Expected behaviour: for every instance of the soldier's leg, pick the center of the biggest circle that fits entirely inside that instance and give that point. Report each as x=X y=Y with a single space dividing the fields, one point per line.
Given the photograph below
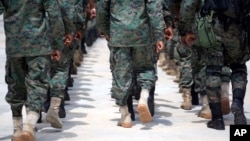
x=171 y=67
x=213 y=88
x=122 y=76
x=226 y=76
x=146 y=75
x=59 y=75
x=37 y=83
x=239 y=82
x=186 y=79
x=199 y=74
x=17 y=93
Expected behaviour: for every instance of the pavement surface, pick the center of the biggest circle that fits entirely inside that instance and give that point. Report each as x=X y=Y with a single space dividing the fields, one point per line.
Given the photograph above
x=92 y=114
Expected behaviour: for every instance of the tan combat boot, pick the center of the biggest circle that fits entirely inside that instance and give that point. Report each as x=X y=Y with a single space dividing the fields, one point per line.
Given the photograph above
x=162 y=60
x=76 y=57
x=52 y=116
x=187 y=99
x=28 y=133
x=178 y=74
x=17 y=125
x=144 y=113
x=205 y=111
x=225 y=98
x=171 y=69
x=80 y=54
x=125 y=120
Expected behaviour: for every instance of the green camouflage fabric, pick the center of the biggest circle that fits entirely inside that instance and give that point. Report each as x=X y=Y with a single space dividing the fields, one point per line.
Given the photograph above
x=27 y=30
x=125 y=62
x=227 y=52
x=186 y=77
x=60 y=70
x=68 y=10
x=79 y=15
x=132 y=48
x=28 y=83
x=120 y=19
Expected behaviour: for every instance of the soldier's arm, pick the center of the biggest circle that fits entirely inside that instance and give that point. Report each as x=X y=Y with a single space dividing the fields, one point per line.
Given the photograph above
x=187 y=15
x=79 y=15
x=55 y=23
x=67 y=9
x=103 y=16
x=154 y=10
x=166 y=13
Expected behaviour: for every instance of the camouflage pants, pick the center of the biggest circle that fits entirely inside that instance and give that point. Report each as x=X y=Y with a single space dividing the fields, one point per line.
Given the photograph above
x=200 y=78
x=28 y=82
x=59 y=74
x=127 y=61
x=186 y=77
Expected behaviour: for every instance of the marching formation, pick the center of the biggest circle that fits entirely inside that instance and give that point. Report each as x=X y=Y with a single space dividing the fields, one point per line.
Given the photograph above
x=203 y=43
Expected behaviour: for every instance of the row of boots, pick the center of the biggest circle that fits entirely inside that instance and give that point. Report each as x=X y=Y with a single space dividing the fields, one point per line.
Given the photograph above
x=213 y=111
x=26 y=131
x=205 y=111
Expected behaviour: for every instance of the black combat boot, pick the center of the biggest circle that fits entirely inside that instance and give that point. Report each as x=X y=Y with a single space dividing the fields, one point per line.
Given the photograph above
x=151 y=104
x=66 y=94
x=62 y=112
x=217 y=121
x=195 y=96
x=237 y=107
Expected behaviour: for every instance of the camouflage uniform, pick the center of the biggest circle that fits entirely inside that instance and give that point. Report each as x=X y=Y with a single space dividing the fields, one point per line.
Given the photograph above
x=228 y=52
x=128 y=53
x=171 y=15
x=28 y=48
x=60 y=70
x=27 y=57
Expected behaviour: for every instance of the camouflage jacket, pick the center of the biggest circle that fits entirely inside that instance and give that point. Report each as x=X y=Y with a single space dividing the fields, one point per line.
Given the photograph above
x=68 y=10
x=171 y=11
x=28 y=29
x=188 y=11
x=131 y=23
x=79 y=18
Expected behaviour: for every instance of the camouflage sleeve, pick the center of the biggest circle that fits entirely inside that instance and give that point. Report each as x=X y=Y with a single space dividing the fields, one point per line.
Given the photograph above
x=1 y=7
x=187 y=15
x=79 y=15
x=55 y=23
x=67 y=9
x=103 y=16
x=154 y=10
x=166 y=13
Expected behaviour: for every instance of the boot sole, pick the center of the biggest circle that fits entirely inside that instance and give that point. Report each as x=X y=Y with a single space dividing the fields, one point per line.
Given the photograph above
x=206 y=116
x=25 y=136
x=225 y=106
x=144 y=113
x=125 y=125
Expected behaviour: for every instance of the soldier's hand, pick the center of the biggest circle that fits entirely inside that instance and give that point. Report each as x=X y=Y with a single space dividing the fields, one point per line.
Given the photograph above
x=56 y=55
x=68 y=39
x=159 y=46
x=188 y=39
x=168 y=33
x=107 y=37
x=78 y=35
